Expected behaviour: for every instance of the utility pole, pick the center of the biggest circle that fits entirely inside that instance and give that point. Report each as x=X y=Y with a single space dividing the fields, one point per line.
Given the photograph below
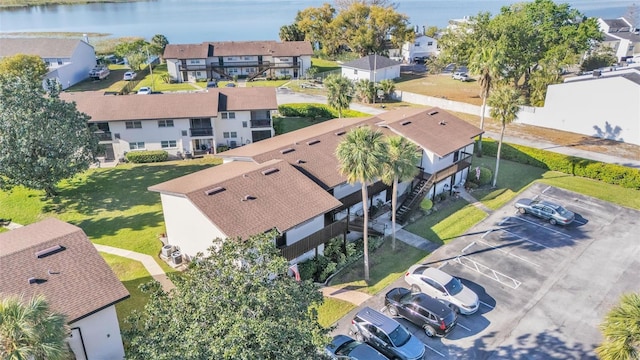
x=150 y=68
x=375 y=66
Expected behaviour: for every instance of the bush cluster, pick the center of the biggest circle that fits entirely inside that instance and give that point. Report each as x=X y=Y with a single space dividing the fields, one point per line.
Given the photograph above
x=305 y=110
x=485 y=177
x=140 y=157
x=608 y=173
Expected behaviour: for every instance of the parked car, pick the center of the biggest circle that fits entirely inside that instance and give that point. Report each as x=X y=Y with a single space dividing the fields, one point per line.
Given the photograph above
x=442 y=286
x=549 y=211
x=344 y=347
x=433 y=316
x=99 y=73
x=462 y=76
x=212 y=84
x=386 y=335
x=145 y=90
x=129 y=75
x=230 y=84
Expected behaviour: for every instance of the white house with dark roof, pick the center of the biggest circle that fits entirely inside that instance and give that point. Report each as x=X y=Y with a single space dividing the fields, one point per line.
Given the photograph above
x=422 y=47
x=371 y=67
x=180 y=123
x=226 y=59
x=68 y=60
x=57 y=260
x=212 y=202
x=622 y=36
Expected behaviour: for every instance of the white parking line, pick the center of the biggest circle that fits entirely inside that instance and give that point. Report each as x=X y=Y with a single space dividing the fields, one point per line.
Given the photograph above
x=434 y=350
x=487 y=271
x=510 y=254
x=544 y=227
x=487 y=305
x=464 y=327
x=468 y=246
x=531 y=241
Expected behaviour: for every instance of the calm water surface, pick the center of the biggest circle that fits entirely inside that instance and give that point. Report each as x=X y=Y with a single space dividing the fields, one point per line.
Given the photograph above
x=194 y=21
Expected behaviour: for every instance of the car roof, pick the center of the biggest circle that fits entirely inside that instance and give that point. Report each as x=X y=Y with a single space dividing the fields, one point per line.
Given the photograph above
x=381 y=321
x=437 y=275
x=550 y=204
x=433 y=305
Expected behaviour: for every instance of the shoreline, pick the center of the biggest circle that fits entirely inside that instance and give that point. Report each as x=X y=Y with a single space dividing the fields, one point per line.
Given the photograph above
x=9 y=4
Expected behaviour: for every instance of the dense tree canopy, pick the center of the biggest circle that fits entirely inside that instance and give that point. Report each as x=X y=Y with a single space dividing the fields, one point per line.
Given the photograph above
x=134 y=51
x=42 y=138
x=527 y=36
x=158 y=43
x=30 y=66
x=339 y=92
x=235 y=303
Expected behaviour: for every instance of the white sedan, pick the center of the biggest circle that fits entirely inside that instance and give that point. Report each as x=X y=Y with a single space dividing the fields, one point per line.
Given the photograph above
x=440 y=285
x=145 y=90
x=129 y=75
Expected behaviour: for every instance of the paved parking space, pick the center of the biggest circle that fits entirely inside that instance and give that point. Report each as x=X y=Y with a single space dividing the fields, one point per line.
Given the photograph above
x=543 y=289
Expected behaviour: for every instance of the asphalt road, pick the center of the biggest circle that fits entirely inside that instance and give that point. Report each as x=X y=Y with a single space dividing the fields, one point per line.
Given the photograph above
x=544 y=289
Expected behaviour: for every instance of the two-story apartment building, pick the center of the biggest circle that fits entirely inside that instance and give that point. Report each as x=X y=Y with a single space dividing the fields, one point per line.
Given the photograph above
x=250 y=59
x=68 y=60
x=422 y=47
x=621 y=35
x=56 y=260
x=260 y=185
x=183 y=124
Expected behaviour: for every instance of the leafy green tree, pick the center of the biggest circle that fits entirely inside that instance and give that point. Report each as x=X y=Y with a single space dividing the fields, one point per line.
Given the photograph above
x=339 y=92
x=621 y=330
x=134 y=51
x=602 y=57
x=486 y=64
x=314 y=22
x=42 y=138
x=30 y=330
x=158 y=43
x=505 y=103
x=361 y=155
x=388 y=86
x=291 y=33
x=236 y=302
x=401 y=164
x=31 y=67
x=548 y=74
x=365 y=90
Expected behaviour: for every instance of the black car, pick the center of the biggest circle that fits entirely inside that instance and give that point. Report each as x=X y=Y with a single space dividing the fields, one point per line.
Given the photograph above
x=436 y=318
x=344 y=347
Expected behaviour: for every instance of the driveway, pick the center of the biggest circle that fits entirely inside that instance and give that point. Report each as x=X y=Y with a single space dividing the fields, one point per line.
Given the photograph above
x=544 y=289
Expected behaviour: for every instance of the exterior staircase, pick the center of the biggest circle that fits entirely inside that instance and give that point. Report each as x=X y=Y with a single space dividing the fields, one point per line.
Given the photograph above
x=413 y=199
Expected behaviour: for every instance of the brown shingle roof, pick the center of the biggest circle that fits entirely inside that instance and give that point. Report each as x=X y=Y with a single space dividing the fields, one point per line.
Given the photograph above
x=237 y=48
x=186 y=51
x=43 y=47
x=75 y=281
x=169 y=106
x=245 y=198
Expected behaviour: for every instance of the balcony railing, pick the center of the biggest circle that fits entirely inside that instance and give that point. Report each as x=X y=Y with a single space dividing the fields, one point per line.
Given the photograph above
x=104 y=135
x=260 y=123
x=314 y=240
x=201 y=131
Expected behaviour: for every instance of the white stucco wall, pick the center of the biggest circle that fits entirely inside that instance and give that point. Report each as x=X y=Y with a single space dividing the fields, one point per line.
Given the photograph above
x=100 y=335
x=305 y=229
x=420 y=47
x=152 y=135
x=345 y=189
x=187 y=227
x=390 y=73
x=233 y=125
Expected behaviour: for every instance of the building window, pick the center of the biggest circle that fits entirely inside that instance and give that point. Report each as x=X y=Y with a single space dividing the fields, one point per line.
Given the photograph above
x=228 y=115
x=225 y=134
x=456 y=156
x=229 y=58
x=234 y=134
x=417 y=44
x=430 y=43
x=60 y=61
x=133 y=124
x=168 y=144
x=247 y=57
x=136 y=145
x=285 y=71
x=183 y=132
x=116 y=135
x=355 y=71
x=165 y=123
x=244 y=124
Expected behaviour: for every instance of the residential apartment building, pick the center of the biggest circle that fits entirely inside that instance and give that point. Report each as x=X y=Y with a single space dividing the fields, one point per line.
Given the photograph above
x=183 y=124
x=422 y=47
x=622 y=36
x=57 y=260
x=245 y=59
x=68 y=60
x=291 y=183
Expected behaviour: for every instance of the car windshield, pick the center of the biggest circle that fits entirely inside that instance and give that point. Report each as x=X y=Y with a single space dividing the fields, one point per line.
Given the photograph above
x=562 y=211
x=454 y=286
x=347 y=347
x=399 y=336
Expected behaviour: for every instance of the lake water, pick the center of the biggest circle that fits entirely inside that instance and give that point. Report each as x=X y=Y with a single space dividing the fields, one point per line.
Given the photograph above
x=195 y=21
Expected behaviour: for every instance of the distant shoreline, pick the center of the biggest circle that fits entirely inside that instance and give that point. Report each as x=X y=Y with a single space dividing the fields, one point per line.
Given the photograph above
x=29 y=3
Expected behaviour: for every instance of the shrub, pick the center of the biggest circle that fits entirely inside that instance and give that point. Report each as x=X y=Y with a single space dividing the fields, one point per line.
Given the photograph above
x=140 y=157
x=485 y=176
x=315 y=111
x=426 y=204
x=307 y=269
x=222 y=148
x=608 y=173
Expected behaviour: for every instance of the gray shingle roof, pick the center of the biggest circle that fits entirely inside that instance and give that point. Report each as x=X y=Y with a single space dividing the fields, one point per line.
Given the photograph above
x=370 y=62
x=43 y=47
x=237 y=48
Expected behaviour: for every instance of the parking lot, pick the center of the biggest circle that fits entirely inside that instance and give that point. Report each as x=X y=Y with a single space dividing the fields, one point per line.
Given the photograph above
x=543 y=289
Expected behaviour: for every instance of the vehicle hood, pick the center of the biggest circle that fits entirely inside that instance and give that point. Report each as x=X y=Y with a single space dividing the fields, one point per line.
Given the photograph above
x=467 y=297
x=413 y=349
x=525 y=202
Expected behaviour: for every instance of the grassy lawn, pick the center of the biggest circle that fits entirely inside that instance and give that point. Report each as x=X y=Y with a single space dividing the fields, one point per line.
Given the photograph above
x=385 y=267
x=267 y=83
x=442 y=86
x=333 y=310
x=294 y=123
x=324 y=65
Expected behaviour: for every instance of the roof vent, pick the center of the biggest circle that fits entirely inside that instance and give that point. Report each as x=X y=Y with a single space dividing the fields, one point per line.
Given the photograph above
x=215 y=190
x=49 y=251
x=405 y=123
x=270 y=171
x=35 y=280
x=442 y=122
x=313 y=142
x=341 y=132
x=248 y=197
x=245 y=175
x=287 y=150
x=432 y=113
x=300 y=161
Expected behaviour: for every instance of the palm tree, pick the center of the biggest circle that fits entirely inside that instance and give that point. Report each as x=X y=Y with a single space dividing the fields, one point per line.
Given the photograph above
x=365 y=90
x=388 y=86
x=505 y=104
x=339 y=92
x=31 y=331
x=401 y=165
x=485 y=64
x=621 y=330
x=361 y=154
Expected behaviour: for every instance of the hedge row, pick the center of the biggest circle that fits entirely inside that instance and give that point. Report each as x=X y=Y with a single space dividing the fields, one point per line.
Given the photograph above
x=139 y=157
x=608 y=173
x=316 y=111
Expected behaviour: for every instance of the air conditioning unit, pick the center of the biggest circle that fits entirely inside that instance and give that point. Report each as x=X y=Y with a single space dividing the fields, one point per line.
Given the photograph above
x=176 y=258
x=167 y=250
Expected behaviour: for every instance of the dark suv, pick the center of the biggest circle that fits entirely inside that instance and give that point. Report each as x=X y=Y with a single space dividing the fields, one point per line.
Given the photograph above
x=434 y=317
x=386 y=335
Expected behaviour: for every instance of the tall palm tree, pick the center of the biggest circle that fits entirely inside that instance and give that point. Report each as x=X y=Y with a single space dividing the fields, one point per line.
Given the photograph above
x=361 y=155
x=365 y=90
x=485 y=63
x=339 y=92
x=30 y=330
x=505 y=104
x=401 y=165
x=621 y=330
